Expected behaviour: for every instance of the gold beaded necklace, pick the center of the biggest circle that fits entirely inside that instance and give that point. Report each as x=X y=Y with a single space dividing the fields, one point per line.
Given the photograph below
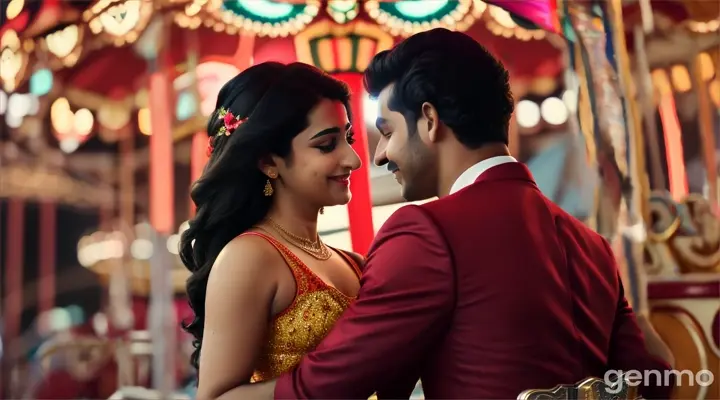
x=315 y=248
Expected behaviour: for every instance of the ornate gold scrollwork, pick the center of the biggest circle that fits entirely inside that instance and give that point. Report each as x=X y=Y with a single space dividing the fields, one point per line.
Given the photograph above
x=588 y=389
x=699 y=251
x=685 y=234
x=119 y=21
x=81 y=356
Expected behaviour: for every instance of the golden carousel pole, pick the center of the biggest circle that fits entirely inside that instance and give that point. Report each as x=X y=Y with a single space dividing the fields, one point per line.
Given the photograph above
x=127 y=177
x=639 y=215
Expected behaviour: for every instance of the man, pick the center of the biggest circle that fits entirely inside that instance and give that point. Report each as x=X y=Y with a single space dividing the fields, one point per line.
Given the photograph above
x=488 y=291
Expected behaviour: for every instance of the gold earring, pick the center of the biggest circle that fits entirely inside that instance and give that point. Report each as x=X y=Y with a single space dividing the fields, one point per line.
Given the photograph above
x=322 y=210
x=268 y=190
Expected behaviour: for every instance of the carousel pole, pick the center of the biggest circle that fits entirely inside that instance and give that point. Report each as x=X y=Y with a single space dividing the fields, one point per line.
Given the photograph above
x=48 y=243
x=639 y=214
x=161 y=145
x=127 y=178
x=637 y=143
x=162 y=319
x=106 y=214
x=198 y=160
x=707 y=131
x=645 y=95
x=360 y=207
x=13 y=289
x=120 y=287
x=672 y=134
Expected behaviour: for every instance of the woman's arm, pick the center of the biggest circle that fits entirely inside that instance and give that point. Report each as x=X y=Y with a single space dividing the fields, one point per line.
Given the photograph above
x=238 y=305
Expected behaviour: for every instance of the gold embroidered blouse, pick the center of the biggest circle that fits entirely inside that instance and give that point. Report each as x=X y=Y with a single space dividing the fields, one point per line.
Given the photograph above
x=299 y=328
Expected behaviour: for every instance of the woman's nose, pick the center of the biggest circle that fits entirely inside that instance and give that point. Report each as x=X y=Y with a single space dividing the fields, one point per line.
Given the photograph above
x=353 y=160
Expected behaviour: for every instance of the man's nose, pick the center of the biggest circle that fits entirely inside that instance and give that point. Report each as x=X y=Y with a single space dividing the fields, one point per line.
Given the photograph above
x=380 y=158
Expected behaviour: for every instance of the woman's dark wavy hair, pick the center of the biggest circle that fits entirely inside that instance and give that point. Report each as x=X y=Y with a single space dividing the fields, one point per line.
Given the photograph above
x=276 y=99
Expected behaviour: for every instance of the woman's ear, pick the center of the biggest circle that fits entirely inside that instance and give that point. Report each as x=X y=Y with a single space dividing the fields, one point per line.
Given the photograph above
x=268 y=166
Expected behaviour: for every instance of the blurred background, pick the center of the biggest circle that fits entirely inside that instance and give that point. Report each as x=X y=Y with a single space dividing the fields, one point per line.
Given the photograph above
x=103 y=106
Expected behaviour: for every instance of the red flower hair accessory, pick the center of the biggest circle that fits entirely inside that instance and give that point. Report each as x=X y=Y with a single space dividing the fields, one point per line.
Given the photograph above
x=210 y=146
x=230 y=124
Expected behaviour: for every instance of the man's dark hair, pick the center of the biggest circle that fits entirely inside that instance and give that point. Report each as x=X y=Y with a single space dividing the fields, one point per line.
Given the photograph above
x=453 y=72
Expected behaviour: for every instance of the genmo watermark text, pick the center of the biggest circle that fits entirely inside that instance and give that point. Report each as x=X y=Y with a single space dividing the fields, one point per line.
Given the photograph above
x=657 y=378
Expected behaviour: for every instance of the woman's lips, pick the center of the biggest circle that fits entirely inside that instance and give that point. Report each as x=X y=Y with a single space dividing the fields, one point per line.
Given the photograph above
x=342 y=179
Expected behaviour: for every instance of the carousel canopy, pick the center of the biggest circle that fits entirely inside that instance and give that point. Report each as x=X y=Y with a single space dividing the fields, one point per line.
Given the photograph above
x=91 y=60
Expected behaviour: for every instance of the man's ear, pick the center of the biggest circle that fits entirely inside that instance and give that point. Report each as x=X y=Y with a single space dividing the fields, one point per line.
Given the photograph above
x=431 y=118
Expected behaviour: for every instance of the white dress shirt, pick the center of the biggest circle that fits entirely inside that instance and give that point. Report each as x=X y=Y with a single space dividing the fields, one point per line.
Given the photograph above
x=471 y=174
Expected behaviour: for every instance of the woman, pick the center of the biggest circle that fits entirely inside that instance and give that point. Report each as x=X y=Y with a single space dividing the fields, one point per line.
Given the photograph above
x=264 y=288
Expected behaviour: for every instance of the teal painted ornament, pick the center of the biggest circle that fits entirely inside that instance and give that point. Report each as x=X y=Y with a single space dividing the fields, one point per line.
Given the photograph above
x=266 y=17
x=41 y=82
x=264 y=10
x=186 y=106
x=420 y=10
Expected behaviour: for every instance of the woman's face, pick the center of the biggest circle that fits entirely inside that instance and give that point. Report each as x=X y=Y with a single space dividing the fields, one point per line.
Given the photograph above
x=318 y=171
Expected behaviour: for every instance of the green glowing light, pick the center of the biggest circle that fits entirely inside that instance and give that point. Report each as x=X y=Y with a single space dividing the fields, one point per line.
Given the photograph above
x=186 y=106
x=418 y=9
x=263 y=8
x=41 y=82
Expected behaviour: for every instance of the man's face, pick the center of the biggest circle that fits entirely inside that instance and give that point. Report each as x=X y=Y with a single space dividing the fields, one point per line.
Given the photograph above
x=407 y=156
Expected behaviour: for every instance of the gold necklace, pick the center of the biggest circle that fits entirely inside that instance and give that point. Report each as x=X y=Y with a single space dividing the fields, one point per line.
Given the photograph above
x=315 y=248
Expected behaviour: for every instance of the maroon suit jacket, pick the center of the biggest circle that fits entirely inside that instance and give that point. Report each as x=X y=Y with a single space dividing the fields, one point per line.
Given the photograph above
x=481 y=294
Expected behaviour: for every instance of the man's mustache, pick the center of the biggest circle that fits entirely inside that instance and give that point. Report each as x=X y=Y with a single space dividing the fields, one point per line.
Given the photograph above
x=392 y=167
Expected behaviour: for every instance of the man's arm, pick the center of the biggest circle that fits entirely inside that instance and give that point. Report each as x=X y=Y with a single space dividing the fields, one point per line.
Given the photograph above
x=631 y=350
x=405 y=301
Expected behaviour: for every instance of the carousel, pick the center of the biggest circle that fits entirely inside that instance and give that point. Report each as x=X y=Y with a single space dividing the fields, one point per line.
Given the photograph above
x=105 y=103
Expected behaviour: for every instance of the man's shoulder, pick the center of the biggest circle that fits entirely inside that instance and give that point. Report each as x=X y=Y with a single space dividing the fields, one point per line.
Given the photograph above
x=467 y=198
x=412 y=220
x=408 y=216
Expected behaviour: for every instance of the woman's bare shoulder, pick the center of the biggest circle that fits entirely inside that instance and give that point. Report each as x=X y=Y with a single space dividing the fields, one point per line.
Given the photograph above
x=246 y=257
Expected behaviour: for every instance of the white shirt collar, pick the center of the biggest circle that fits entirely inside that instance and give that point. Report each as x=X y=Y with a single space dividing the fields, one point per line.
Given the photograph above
x=471 y=174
